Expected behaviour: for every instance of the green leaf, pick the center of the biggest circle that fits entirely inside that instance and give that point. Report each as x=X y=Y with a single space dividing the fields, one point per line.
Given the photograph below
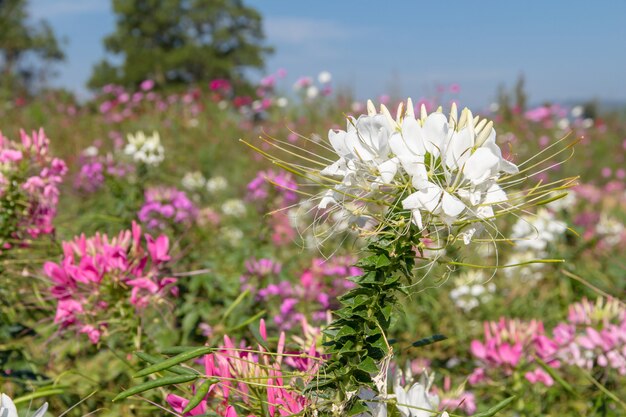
x=234 y=304
x=161 y=382
x=175 y=350
x=168 y=363
x=498 y=407
x=151 y=359
x=39 y=394
x=429 y=340
x=357 y=408
x=382 y=261
x=201 y=392
x=369 y=366
x=345 y=331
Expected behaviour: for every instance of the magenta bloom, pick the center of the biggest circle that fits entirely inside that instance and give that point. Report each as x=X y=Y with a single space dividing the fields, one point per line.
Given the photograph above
x=508 y=346
x=238 y=367
x=166 y=206
x=29 y=174
x=99 y=276
x=316 y=293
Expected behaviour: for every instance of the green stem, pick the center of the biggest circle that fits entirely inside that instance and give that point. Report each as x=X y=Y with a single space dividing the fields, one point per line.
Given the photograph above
x=357 y=338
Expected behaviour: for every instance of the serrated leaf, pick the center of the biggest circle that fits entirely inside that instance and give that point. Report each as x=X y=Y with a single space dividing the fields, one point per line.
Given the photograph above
x=357 y=408
x=382 y=261
x=161 y=382
x=369 y=366
x=345 y=331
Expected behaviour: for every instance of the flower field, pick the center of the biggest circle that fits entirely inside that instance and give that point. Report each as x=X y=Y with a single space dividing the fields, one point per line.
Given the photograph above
x=200 y=253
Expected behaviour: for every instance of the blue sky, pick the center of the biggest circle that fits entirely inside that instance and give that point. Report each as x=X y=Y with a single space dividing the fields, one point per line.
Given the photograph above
x=567 y=50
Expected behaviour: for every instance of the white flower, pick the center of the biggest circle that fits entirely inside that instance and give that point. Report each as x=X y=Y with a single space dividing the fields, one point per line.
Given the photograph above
x=90 y=151
x=234 y=207
x=364 y=163
x=324 y=77
x=7 y=408
x=232 y=235
x=416 y=401
x=282 y=102
x=312 y=92
x=471 y=290
x=454 y=166
x=577 y=111
x=216 y=184
x=530 y=272
x=193 y=180
x=534 y=233
x=145 y=149
x=610 y=229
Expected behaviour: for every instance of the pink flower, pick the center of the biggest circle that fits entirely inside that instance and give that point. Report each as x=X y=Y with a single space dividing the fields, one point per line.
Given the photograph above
x=101 y=272
x=539 y=376
x=147 y=85
x=158 y=249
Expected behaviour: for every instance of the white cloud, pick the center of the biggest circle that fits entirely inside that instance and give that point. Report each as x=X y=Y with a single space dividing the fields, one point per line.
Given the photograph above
x=300 y=30
x=45 y=9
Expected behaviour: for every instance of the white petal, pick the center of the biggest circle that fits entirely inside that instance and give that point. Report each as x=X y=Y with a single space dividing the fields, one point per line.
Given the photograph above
x=452 y=206
x=388 y=170
x=484 y=212
x=505 y=166
x=435 y=133
x=41 y=412
x=416 y=218
x=339 y=168
x=7 y=404
x=468 y=233
x=412 y=134
x=329 y=198
x=459 y=148
x=338 y=142
x=495 y=194
x=482 y=165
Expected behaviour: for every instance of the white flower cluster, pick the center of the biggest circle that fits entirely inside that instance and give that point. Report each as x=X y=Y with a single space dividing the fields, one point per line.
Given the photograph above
x=444 y=171
x=536 y=232
x=193 y=181
x=216 y=184
x=8 y=409
x=471 y=290
x=532 y=235
x=610 y=229
x=234 y=207
x=145 y=149
x=418 y=400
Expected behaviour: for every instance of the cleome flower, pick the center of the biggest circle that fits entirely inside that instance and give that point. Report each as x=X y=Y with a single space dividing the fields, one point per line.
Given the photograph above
x=8 y=409
x=145 y=149
x=446 y=176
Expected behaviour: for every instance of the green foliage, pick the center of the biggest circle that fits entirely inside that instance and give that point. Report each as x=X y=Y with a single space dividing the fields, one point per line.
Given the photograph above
x=20 y=38
x=357 y=338
x=181 y=41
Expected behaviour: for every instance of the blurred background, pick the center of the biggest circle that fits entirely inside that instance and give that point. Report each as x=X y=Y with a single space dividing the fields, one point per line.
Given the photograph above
x=566 y=51
x=144 y=102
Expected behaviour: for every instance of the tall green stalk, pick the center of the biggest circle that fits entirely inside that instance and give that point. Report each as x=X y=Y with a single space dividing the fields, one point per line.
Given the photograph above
x=357 y=339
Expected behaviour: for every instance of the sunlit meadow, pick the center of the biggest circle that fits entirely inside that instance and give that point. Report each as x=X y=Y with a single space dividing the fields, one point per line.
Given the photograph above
x=298 y=252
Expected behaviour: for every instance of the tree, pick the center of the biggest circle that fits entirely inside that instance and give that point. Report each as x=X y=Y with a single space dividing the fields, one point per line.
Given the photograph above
x=181 y=41
x=26 y=48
